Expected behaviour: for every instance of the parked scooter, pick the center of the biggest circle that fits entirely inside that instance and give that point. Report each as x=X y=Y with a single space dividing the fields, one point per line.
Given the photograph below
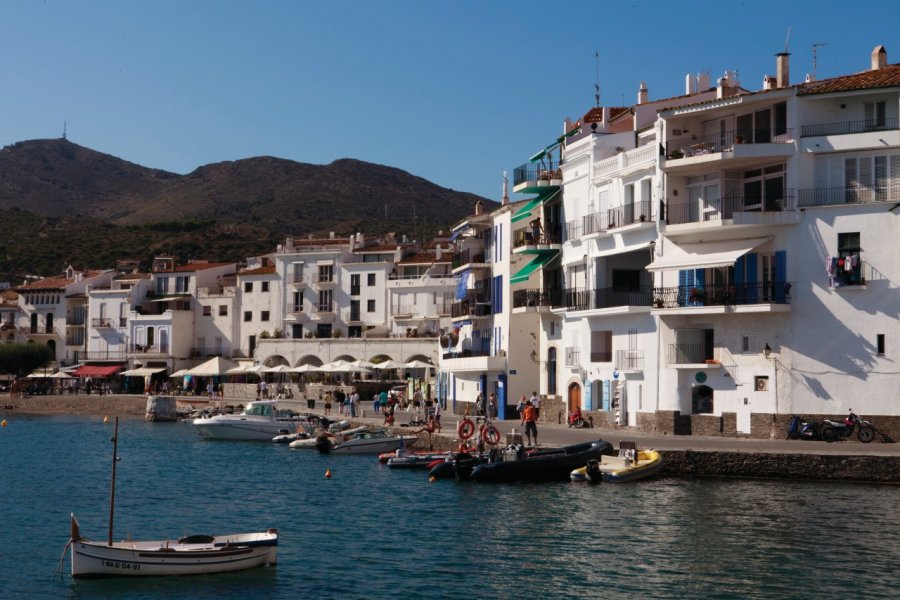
x=832 y=430
x=577 y=421
x=802 y=430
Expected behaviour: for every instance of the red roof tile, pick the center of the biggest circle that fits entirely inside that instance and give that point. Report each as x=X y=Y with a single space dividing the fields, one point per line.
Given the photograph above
x=889 y=76
x=258 y=271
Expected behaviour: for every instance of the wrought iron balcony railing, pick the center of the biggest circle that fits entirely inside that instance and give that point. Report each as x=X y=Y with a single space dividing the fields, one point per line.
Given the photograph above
x=727 y=207
x=846 y=127
x=585 y=299
x=848 y=195
x=712 y=143
x=776 y=292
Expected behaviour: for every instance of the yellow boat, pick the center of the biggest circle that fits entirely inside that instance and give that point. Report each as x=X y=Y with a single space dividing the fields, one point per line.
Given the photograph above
x=631 y=464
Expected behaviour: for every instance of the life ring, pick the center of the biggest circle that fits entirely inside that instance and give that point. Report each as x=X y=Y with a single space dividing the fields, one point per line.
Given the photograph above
x=465 y=429
x=490 y=435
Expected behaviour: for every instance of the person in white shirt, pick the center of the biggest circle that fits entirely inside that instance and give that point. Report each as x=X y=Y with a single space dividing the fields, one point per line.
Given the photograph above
x=536 y=403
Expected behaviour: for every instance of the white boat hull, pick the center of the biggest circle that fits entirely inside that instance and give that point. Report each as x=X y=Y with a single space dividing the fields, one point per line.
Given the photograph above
x=140 y=559
x=373 y=445
x=241 y=430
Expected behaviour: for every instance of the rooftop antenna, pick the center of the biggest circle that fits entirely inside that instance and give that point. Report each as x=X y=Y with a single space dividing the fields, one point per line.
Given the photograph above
x=815 y=48
x=64 y=130
x=788 y=37
x=597 y=80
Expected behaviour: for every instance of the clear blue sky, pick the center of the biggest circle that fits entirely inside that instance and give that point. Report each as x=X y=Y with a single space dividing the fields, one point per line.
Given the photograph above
x=455 y=92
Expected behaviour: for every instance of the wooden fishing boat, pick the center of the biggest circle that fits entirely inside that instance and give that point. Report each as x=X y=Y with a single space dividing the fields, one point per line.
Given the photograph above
x=192 y=555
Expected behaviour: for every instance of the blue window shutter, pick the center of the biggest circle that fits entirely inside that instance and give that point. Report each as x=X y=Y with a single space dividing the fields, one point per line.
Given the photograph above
x=780 y=276
x=685 y=281
x=605 y=393
x=752 y=280
x=588 y=390
x=699 y=278
x=499 y=293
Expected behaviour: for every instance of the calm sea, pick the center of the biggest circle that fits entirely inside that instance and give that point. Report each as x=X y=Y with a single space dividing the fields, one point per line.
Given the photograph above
x=370 y=532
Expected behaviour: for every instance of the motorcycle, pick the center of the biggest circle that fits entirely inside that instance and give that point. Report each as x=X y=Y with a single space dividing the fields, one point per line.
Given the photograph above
x=832 y=430
x=802 y=430
x=577 y=421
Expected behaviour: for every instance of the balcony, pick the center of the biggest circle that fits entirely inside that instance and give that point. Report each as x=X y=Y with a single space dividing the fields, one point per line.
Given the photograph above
x=526 y=237
x=325 y=282
x=324 y=312
x=217 y=291
x=847 y=127
x=469 y=308
x=629 y=361
x=41 y=329
x=534 y=300
x=471 y=361
x=98 y=355
x=296 y=280
x=469 y=258
x=294 y=311
x=630 y=160
x=836 y=196
x=148 y=349
x=691 y=354
x=534 y=177
x=583 y=299
x=605 y=220
x=722 y=295
x=103 y=323
x=731 y=207
x=688 y=146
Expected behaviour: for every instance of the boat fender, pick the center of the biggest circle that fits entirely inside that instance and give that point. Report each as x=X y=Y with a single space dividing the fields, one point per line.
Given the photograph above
x=465 y=429
x=327 y=473
x=491 y=435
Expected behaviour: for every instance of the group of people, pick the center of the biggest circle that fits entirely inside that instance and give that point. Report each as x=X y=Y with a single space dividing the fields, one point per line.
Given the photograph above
x=347 y=404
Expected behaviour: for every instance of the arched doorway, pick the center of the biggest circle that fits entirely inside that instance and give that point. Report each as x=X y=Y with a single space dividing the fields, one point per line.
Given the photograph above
x=702 y=400
x=49 y=323
x=551 y=371
x=574 y=397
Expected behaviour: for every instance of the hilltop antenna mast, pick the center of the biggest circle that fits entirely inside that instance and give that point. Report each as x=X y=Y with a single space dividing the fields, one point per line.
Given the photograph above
x=815 y=48
x=597 y=80
x=64 y=130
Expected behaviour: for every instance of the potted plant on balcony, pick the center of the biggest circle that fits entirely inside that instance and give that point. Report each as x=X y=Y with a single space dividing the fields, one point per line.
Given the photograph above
x=676 y=154
x=659 y=303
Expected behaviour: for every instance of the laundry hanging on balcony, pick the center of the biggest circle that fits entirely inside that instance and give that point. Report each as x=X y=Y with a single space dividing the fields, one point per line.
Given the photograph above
x=843 y=270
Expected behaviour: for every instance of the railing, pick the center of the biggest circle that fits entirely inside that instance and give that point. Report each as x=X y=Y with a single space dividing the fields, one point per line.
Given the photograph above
x=104 y=355
x=543 y=171
x=75 y=338
x=629 y=360
x=848 y=195
x=402 y=311
x=216 y=290
x=523 y=298
x=584 y=299
x=712 y=143
x=467 y=256
x=145 y=349
x=327 y=307
x=605 y=220
x=103 y=323
x=849 y=127
x=296 y=278
x=528 y=237
x=34 y=329
x=465 y=354
x=722 y=295
x=689 y=354
x=624 y=160
x=293 y=308
x=320 y=279
x=470 y=308
x=726 y=207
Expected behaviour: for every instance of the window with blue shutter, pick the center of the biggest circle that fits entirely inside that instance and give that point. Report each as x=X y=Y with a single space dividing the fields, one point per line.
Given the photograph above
x=780 y=277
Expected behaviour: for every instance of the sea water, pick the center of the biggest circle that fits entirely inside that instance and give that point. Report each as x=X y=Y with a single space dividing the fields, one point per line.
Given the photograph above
x=372 y=532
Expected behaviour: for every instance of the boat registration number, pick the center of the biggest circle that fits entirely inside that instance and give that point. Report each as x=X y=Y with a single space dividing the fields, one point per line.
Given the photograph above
x=122 y=565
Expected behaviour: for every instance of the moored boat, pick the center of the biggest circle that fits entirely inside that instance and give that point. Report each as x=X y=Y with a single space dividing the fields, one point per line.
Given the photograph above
x=551 y=464
x=629 y=465
x=374 y=441
x=260 y=421
x=415 y=460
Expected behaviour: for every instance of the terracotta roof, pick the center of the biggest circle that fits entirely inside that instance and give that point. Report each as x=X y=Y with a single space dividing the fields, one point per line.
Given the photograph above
x=258 y=271
x=427 y=258
x=50 y=283
x=382 y=248
x=196 y=267
x=595 y=115
x=888 y=76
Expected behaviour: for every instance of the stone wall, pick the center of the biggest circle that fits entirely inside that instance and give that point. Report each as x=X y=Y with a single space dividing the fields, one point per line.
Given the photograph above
x=883 y=469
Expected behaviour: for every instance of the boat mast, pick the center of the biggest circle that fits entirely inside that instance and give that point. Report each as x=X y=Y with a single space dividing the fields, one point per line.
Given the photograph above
x=112 y=487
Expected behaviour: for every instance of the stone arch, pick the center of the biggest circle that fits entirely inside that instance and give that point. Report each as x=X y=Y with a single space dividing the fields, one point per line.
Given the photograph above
x=422 y=357
x=310 y=359
x=380 y=358
x=276 y=359
x=346 y=357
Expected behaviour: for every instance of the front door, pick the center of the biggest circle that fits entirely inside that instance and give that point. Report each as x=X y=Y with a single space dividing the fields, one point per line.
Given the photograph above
x=574 y=397
x=743 y=416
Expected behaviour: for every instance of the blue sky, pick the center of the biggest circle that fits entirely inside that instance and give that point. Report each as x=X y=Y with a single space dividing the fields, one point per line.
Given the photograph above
x=455 y=92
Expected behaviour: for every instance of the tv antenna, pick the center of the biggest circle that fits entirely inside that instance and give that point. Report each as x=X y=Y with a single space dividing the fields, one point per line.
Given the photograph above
x=788 y=37
x=815 y=48
x=597 y=80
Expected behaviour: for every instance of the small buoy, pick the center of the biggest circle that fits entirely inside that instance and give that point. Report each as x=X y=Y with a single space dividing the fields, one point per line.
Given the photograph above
x=327 y=473
x=106 y=419
x=432 y=479
x=3 y=423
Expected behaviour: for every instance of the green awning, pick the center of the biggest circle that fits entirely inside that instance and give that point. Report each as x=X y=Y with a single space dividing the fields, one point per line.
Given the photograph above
x=569 y=134
x=533 y=265
x=525 y=211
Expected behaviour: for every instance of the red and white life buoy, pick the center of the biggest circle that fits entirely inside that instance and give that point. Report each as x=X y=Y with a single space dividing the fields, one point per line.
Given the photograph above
x=490 y=435
x=465 y=429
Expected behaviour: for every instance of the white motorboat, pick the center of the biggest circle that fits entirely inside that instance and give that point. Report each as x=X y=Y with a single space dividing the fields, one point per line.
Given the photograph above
x=310 y=442
x=373 y=441
x=191 y=555
x=260 y=421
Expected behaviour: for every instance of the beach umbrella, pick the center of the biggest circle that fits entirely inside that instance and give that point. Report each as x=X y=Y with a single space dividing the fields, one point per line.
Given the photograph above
x=363 y=363
x=390 y=364
x=306 y=369
x=179 y=373
x=214 y=366
x=277 y=369
x=418 y=364
x=61 y=375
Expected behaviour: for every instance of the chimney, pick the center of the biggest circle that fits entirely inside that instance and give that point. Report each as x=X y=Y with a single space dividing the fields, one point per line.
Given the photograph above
x=879 y=58
x=437 y=252
x=642 y=94
x=689 y=86
x=330 y=235
x=783 y=76
x=769 y=82
x=703 y=81
x=478 y=208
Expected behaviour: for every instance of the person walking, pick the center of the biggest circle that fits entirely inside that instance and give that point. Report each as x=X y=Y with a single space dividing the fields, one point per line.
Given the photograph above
x=536 y=403
x=529 y=420
x=437 y=416
x=520 y=406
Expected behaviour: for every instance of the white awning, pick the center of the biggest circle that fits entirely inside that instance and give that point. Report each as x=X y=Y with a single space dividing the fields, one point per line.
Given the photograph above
x=141 y=372
x=704 y=255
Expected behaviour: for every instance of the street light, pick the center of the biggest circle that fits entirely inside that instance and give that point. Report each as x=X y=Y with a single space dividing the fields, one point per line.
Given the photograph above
x=767 y=350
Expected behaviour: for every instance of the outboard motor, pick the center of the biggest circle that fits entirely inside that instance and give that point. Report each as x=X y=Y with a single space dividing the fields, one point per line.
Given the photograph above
x=593 y=471
x=323 y=444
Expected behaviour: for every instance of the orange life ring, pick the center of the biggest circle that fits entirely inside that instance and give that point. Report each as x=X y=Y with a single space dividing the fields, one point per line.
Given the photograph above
x=490 y=435
x=465 y=429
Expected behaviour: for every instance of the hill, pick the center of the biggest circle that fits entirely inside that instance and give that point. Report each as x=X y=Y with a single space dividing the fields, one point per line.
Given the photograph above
x=62 y=203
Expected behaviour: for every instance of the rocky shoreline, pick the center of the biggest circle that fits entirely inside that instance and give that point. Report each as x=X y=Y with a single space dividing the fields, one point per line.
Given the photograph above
x=81 y=404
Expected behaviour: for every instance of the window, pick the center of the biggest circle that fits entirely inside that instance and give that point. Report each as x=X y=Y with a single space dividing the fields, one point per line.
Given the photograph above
x=326 y=273
x=847 y=265
x=875 y=114
x=370 y=279
x=264 y=315
x=370 y=306
x=601 y=346
x=265 y=286
x=354 y=311
x=763 y=189
x=551 y=371
x=248 y=286
x=879 y=344
x=223 y=310
x=207 y=311
x=162 y=285
x=325 y=301
x=248 y=316
x=354 y=284
x=181 y=284
x=354 y=331
x=692 y=346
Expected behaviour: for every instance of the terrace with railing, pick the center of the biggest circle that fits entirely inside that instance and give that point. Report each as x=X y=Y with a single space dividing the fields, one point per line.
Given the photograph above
x=722 y=295
x=551 y=234
x=475 y=304
x=526 y=298
x=712 y=143
x=725 y=208
x=846 y=127
x=856 y=194
x=595 y=299
x=545 y=170
x=604 y=220
x=468 y=256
